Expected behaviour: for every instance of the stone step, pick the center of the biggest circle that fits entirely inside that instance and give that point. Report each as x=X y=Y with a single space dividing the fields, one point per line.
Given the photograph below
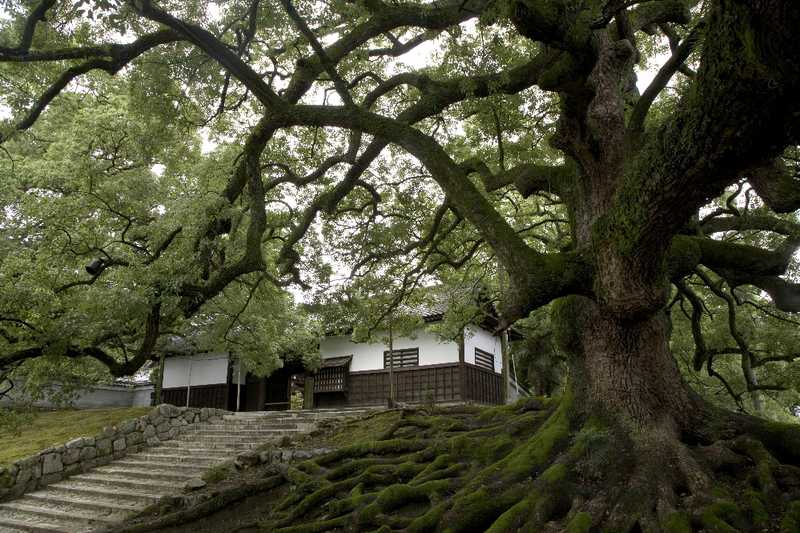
x=70 y=515
x=253 y=430
x=80 y=501
x=285 y=415
x=12 y=525
x=219 y=442
x=93 y=490
x=213 y=447
x=9 y=529
x=143 y=485
x=198 y=437
x=138 y=463
x=156 y=472
x=231 y=437
x=175 y=458
x=255 y=427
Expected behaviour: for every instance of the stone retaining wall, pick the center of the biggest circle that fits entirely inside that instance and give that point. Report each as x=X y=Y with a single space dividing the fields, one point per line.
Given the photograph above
x=79 y=455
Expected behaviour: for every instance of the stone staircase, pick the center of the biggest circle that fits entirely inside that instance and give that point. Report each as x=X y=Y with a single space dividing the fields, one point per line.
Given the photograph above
x=109 y=494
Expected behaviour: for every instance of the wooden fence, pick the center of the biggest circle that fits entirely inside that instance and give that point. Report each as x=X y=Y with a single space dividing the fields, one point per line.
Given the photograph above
x=217 y=396
x=451 y=382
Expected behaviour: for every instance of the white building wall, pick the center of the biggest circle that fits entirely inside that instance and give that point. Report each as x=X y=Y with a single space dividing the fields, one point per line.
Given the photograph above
x=205 y=369
x=141 y=395
x=369 y=356
x=477 y=337
x=98 y=396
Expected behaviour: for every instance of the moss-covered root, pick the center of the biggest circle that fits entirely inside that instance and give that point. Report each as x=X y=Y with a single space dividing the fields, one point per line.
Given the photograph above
x=532 y=467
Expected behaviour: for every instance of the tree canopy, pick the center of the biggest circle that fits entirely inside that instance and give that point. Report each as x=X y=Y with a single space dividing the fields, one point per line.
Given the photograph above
x=203 y=157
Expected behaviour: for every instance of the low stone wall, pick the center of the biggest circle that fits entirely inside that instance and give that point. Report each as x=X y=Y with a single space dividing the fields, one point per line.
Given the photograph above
x=79 y=455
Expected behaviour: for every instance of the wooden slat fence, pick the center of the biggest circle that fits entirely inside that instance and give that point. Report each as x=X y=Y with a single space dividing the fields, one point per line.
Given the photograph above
x=201 y=396
x=437 y=383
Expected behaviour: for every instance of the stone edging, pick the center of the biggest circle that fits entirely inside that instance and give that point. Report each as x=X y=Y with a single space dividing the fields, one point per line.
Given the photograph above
x=80 y=455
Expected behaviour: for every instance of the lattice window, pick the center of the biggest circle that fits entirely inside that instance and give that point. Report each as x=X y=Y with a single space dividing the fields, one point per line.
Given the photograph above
x=331 y=380
x=401 y=358
x=332 y=376
x=484 y=359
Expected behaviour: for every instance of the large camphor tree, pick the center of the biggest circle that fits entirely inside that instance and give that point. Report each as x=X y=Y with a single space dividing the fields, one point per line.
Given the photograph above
x=522 y=139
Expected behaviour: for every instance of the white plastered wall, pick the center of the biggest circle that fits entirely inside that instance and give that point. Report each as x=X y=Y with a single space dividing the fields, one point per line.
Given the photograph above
x=477 y=337
x=206 y=369
x=369 y=356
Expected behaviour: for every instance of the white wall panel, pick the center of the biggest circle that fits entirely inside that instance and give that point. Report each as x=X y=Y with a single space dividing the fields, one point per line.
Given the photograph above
x=206 y=369
x=369 y=356
x=477 y=337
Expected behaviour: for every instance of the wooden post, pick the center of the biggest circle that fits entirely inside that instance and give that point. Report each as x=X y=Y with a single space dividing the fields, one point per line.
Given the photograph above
x=392 y=396
x=462 y=371
x=308 y=393
x=505 y=374
x=189 y=382
x=239 y=386
x=159 y=386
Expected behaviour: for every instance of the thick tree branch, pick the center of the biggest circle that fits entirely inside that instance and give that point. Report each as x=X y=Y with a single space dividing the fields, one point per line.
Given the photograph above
x=527 y=178
x=776 y=185
x=751 y=223
x=117 y=369
x=735 y=115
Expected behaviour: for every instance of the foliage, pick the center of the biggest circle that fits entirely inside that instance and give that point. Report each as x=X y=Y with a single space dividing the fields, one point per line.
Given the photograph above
x=201 y=158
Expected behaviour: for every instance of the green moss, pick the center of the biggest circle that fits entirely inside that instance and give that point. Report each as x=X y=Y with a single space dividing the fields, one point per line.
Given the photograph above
x=311 y=527
x=593 y=436
x=387 y=447
x=367 y=515
x=554 y=474
x=408 y=470
x=757 y=512
x=340 y=506
x=218 y=473
x=356 y=466
x=397 y=496
x=496 y=412
x=488 y=449
x=723 y=517
x=514 y=517
x=441 y=461
x=445 y=473
x=677 y=522
x=477 y=510
x=429 y=521
x=535 y=452
x=790 y=523
x=363 y=430
x=580 y=523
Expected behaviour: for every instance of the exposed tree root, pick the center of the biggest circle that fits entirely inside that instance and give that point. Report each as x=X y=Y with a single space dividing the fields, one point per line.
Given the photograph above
x=540 y=466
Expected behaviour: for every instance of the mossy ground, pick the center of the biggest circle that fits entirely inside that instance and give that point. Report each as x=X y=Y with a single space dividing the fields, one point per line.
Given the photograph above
x=49 y=428
x=533 y=466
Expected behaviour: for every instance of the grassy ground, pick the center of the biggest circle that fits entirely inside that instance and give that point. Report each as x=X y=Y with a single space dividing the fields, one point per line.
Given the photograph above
x=49 y=428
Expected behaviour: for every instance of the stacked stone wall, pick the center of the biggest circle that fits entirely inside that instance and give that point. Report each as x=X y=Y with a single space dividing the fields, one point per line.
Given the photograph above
x=79 y=455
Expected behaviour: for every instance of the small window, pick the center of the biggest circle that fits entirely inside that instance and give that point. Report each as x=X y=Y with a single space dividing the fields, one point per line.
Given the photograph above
x=484 y=359
x=401 y=358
